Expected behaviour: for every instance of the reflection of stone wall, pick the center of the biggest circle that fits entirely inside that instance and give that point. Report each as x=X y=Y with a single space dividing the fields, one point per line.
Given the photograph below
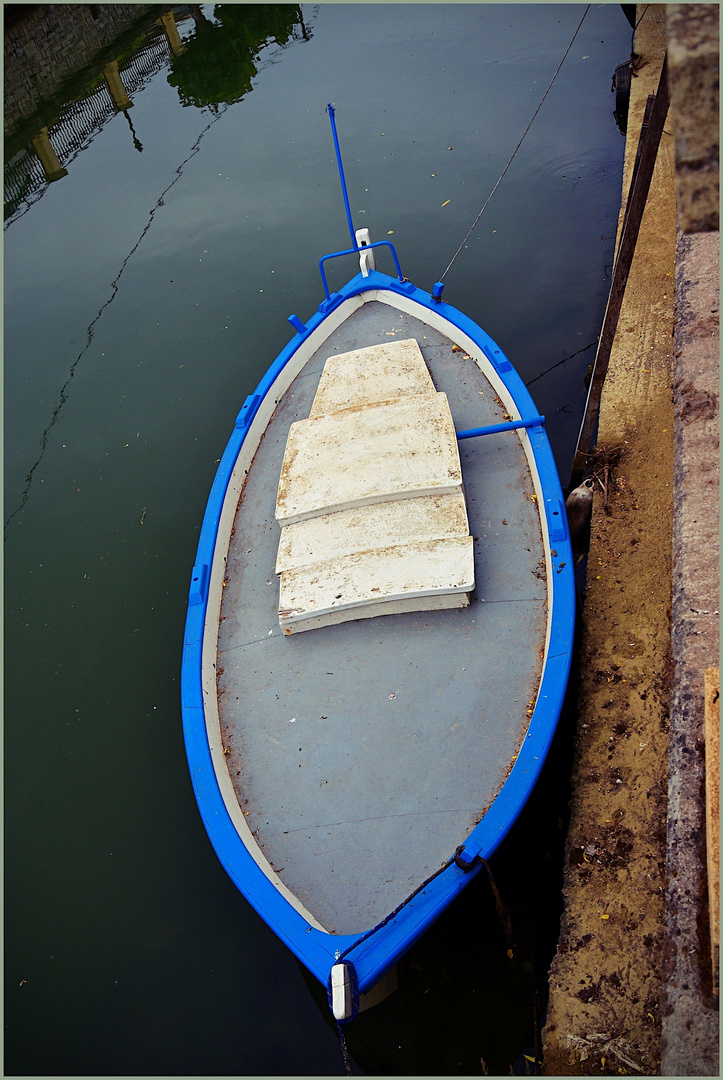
x=50 y=44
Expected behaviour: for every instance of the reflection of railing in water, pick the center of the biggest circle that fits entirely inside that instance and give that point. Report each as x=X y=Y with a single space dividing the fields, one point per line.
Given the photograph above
x=147 y=60
x=79 y=120
x=28 y=173
x=24 y=175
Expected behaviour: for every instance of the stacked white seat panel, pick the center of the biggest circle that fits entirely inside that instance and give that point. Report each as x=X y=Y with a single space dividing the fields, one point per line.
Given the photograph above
x=370 y=497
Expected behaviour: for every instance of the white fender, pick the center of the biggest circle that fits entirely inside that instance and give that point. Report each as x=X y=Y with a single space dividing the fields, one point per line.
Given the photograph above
x=341 y=991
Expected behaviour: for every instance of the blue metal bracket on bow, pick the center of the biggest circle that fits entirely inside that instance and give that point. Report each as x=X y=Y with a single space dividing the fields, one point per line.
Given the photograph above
x=355 y=251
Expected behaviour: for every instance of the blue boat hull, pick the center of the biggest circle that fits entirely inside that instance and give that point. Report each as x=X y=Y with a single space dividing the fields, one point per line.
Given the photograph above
x=369 y=953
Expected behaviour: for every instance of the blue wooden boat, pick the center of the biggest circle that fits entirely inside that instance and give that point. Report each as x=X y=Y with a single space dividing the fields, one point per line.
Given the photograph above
x=380 y=623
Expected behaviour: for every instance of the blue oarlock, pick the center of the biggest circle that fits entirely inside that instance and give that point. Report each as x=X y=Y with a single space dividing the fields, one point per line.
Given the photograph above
x=297 y=323
x=248 y=411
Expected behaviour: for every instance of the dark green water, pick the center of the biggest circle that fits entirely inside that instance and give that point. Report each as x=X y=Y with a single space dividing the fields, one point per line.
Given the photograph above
x=145 y=294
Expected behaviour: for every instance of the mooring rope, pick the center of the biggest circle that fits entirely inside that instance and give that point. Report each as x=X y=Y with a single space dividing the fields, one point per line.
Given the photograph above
x=494 y=189
x=641 y=18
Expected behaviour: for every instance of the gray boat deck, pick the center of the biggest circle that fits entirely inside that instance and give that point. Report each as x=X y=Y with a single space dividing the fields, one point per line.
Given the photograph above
x=362 y=754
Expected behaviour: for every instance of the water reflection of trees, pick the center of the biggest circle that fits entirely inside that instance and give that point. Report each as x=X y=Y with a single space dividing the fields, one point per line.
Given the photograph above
x=219 y=62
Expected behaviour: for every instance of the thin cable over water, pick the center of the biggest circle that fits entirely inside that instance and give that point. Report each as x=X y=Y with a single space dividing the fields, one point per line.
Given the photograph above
x=494 y=189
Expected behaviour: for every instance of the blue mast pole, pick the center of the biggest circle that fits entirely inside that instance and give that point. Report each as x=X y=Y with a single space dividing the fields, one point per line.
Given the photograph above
x=330 y=110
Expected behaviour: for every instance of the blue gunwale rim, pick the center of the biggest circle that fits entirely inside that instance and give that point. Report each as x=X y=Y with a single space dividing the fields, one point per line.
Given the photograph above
x=375 y=954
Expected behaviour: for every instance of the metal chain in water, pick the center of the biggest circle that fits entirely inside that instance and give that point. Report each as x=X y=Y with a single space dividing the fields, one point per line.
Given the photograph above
x=494 y=189
x=345 y=1052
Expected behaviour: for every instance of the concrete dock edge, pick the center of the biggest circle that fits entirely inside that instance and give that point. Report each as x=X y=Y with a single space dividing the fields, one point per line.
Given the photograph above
x=633 y=987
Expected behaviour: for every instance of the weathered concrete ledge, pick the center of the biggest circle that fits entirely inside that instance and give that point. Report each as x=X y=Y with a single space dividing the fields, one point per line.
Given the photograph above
x=690 y=1015
x=631 y=987
x=693 y=63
